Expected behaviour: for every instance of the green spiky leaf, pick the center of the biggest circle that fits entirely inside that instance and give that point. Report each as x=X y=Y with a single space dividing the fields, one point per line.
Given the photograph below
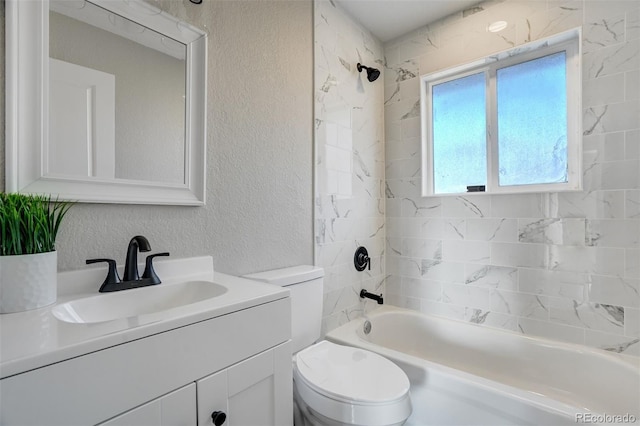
x=29 y=224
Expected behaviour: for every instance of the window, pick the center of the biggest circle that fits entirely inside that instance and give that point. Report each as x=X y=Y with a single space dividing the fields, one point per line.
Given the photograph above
x=507 y=123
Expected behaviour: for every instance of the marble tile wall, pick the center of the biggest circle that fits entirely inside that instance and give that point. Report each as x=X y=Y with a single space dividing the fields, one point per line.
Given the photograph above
x=349 y=161
x=560 y=265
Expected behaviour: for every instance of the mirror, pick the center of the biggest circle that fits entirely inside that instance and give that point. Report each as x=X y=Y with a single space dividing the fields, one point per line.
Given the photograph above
x=105 y=102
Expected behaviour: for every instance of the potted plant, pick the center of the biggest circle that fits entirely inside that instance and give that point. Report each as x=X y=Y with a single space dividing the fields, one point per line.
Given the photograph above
x=29 y=225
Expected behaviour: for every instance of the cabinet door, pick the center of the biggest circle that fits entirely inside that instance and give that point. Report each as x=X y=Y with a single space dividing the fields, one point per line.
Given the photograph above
x=177 y=408
x=256 y=391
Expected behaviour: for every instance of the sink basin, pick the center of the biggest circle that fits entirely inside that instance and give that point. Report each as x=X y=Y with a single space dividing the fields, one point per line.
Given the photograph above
x=135 y=302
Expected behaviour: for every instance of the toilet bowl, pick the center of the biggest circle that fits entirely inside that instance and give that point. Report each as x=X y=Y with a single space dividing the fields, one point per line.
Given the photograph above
x=341 y=385
x=335 y=385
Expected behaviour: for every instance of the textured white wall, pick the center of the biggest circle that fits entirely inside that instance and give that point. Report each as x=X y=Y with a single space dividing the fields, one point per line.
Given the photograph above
x=2 y=92
x=259 y=154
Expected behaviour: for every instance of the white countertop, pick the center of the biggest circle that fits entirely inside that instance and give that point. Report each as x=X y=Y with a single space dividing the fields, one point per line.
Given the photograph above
x=34 y=339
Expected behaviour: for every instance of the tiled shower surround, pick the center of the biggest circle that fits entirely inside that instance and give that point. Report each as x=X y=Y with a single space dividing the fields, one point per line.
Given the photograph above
x=559 y=265
x=349 y=162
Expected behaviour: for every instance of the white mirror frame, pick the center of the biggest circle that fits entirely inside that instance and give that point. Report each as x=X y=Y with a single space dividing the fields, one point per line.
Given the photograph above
x=27 y=107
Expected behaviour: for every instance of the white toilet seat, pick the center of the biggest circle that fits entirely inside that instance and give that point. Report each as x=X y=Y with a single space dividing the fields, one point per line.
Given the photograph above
x=352 y=385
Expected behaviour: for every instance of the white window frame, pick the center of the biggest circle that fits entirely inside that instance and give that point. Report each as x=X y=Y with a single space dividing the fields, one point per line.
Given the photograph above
x=568 y=42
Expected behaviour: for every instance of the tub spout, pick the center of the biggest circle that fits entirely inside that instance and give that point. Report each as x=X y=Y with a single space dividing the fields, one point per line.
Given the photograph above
x=364 y=293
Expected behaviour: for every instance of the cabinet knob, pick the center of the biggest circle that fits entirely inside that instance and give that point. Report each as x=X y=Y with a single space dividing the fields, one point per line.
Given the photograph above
x=218 y=418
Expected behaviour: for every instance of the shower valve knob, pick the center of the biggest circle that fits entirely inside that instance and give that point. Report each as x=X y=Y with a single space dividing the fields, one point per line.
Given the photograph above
x=218 y=417
x=361 y=259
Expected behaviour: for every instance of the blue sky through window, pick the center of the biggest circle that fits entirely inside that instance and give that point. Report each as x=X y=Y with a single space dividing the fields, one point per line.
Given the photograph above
x=532 y=121
x=459 y=134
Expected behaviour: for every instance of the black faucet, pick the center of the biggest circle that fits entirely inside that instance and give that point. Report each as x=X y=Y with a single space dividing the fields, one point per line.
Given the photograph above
x=131 y=263
x=131 y=277
x=364 y=293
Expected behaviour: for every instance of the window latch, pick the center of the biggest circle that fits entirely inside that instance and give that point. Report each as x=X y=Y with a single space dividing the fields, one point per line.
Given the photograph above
x=475 y=188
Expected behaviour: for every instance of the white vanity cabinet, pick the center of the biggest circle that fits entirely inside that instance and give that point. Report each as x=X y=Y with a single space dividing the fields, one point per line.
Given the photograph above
x=178 y=408
x=238 y=363
x=256 y=391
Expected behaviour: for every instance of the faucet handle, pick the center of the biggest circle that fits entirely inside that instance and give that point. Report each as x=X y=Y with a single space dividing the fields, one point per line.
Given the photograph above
x=112 y=273
x=149 y=272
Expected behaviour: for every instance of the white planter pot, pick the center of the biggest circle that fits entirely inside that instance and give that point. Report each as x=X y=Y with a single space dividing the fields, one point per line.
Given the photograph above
x=28 y=281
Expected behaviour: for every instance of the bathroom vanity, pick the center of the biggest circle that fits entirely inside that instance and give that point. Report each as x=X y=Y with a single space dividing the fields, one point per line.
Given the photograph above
x=223 y=358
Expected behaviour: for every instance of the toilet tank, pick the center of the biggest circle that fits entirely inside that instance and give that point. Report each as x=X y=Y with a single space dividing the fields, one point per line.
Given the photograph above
x=305 y=284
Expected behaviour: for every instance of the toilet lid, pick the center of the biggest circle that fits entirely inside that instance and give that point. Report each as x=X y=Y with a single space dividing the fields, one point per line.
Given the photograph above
x=351 y=374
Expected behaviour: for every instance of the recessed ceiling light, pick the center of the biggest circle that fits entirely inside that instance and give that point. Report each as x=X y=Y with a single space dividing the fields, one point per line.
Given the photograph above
x=496 y=26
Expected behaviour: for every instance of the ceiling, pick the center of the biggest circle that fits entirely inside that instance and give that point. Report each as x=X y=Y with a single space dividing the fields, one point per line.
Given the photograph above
x=388 y=19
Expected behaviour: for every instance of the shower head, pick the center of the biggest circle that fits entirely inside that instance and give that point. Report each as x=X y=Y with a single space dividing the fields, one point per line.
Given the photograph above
x=372 y=73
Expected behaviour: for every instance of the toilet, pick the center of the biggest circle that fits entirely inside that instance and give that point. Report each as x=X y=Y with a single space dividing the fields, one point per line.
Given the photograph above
x=334 y=384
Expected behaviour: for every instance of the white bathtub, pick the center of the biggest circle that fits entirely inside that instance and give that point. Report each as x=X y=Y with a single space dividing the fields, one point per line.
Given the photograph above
x=465 y=374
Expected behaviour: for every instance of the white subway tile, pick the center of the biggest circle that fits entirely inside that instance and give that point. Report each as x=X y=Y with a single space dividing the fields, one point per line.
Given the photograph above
x=410 y=126
x=595 y=260
x=606 y=146
x=468 y=296
x=422 y=289
x=632 y=204
x=603 y=32
x=392 y=130
x=595 y=10
x=551 y=331
x=632 y=85
x=391 y=93
x=422 y=207
x=393 y=285
x=612 y=175
x=421 y=41
x=421 y=248
x=453 y=228
x=423 y=227
x=410 y=88
x=518 y=205
x=401 y=71
x=520 y=304
x=466 y=251
x=568 y=285
x=466 y=206
x=499 y=230
x=594 y=204
x=593 y=316
x=603 y=91
x=519 y=255
x=613 y=233
x=491 y=276
x=632 y=263
x=446 y=310
x=403 y=188
x=633 y=24
x=632 y=322
x=611 y=118
x=403 y=168
x=401 y=150
x=557 y=19
x=393 y=207
x=632 y=144
x=570 y=232
x=611 y=60
x=615 y=291
x=491 y=319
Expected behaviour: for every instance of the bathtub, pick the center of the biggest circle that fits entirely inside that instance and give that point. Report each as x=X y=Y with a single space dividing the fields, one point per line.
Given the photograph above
x=466 y=374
